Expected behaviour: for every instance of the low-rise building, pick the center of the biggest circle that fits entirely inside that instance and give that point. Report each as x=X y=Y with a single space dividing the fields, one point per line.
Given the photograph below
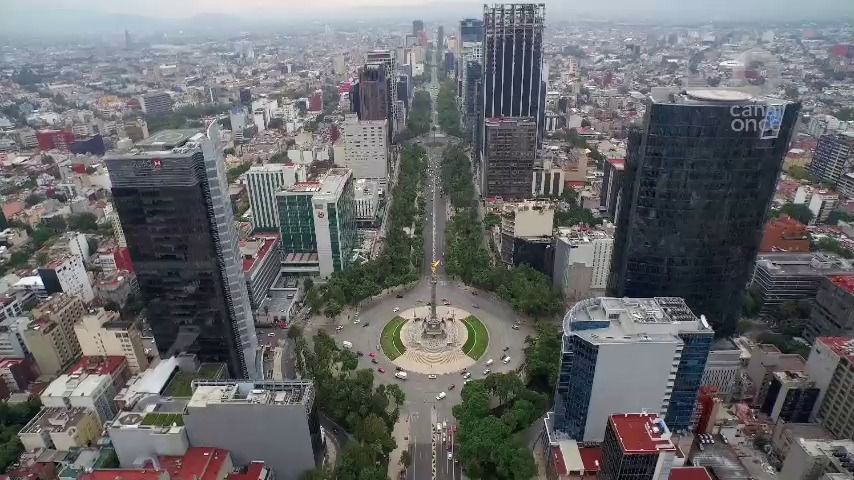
x=115 y=286
x=819 y=459
x=115 y=366
x=262 y=259
x=636 y=446
x=783 y=277
x=245 y=417
x=198 y=463
x=17 y=373
x=12 y=337
x=833 y=312
x=582 y=262
x=50 y=337
x=766 y=359
x=61 y=428
x=791 y=397
x=526 y=233
x=136 y=435
x=785 y=234
x=102 y=333
x=94 y=392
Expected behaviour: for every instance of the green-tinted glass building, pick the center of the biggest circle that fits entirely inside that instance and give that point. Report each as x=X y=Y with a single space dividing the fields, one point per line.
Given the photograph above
x=320 y=217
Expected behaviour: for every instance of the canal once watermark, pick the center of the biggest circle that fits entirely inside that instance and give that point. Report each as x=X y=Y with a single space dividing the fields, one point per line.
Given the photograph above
x=763 y=119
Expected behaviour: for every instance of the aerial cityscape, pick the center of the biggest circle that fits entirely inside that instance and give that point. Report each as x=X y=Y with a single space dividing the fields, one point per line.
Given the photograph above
x=436 y=239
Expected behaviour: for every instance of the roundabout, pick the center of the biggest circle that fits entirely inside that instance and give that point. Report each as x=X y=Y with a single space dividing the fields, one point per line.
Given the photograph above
x=408 y=343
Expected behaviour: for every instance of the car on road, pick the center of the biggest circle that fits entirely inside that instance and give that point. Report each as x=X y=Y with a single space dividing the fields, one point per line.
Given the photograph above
x=381 y=370
x=432 y=376
x=271 y=334
x=441 y=395
x=490 y=362
x=372 y=354
x=395 y=309
x=451 y=387
x=450 y=456
x=374 y=361
x=446 y=303
x=506 y=360
x=356 y=320
x=399 y=296
x=399 y=369
x=339 y=328
x=474 y=292
x=474 y=305
x=366 y=324
x=467 y=375
x=487 y=371
x=515 y=327
x=359 y=353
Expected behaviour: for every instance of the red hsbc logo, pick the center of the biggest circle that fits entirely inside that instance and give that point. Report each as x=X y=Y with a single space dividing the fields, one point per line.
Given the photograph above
x=319 y=214
x=155 y=163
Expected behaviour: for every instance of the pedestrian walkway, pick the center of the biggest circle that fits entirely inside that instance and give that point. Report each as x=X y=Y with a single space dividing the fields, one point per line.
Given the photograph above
x=401 y=437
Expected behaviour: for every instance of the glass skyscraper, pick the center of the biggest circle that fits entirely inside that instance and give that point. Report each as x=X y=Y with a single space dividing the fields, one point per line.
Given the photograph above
x=699 y=178
x=172 y=200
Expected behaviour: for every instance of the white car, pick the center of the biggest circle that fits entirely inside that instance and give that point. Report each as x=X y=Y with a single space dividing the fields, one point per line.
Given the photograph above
x=271 y=334
x=432 y=376
x=467 y=375
x=450 y=456
x=339 y=328
x=487 y=371
x=490 y=362
x=441 y=395
x=506 y=360
x=356 y=320
x=396 y=309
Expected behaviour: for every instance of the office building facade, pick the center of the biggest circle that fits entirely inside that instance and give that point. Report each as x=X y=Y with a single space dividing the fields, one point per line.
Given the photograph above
x=694 y=198
x=654 y=348
x=834 y=410
x=263 y=182
x=174 y=209
x=388 y=60
x=791 y=397
x=320 y=218
x=513 y=61
x=612 y=184
x=471 y=30
x=832 y=314
x=366 y=148
x=155 y=103
x=247 y=419
x=510 y=147
x=784 y=277
x=833 y=157
x=372 y=99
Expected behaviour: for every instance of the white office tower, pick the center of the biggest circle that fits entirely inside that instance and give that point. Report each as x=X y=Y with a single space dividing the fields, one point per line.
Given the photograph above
x=264 y=181
x=629 y=355
x=366 y=145
x=238 y=123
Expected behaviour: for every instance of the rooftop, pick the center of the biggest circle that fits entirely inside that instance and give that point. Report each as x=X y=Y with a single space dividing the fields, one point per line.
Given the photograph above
x=689 y=473
x=268 y=393
x=641 y=433
x=254 y=250
x=254 y=471
x=55 y=419
x=8 y=362
x=166 y=139
x=618 y=163
x=709 y=96
x=842 y=346
x=76 y=385
x=199 y=463
x=802 y=264
x=846 y=282
x=97 y=365
x=608 y=319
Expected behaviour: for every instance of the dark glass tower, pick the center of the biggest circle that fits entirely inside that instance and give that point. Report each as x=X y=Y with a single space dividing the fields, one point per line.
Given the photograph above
x=699 y=177
x=373 y=94
x=172 y=201
x=513 y=61
x=471 y=30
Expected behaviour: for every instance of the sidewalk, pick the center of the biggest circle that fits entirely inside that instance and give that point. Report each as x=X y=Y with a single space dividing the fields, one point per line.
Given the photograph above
x=401 y=436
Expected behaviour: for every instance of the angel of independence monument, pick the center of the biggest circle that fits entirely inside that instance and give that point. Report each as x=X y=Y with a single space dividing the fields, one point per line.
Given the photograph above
x=436 y=333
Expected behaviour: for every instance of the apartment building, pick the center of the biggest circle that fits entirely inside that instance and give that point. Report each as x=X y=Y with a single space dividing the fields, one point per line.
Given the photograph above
x=50 y=337
x=104 y=333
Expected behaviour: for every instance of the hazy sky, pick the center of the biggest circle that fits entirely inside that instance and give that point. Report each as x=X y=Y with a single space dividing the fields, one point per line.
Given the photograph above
x=30 y=16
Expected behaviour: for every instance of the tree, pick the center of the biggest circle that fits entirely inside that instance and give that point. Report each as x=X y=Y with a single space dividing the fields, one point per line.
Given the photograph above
x=228 y=151
x=91 y=170
x=542 y=357
x=585 y=123
x=234 y=172
x=837 y=216
x=47 y=160
x=112 y=306
x=799 y=212
x=832 y=245
x=405 y=458
x=34 y=199
x=798 y=172
x=83 y=222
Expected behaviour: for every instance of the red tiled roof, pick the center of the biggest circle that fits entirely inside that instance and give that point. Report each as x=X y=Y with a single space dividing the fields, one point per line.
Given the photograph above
x=590 y=457
x=617 y=161
x=97 y=365
x=199 y=463
x=637 y=433
x=7 y=362
x=690 y=473
x=123 y=474
x=842 y=346
x=575 y=183
x=846 y=282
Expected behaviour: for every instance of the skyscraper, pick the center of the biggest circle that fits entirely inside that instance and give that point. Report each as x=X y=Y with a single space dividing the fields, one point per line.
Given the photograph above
x=629 y=355
x=471 y=30
x=172 y=200
x=388 y=59
x=834 y=157
x=513 y=61
x=417 y=27
x=510 y=146
x=699 y=177
x=372 y=98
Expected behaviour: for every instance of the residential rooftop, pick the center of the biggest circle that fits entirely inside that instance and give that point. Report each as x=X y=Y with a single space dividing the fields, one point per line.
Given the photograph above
x=76 y=385
x=842 y=346
x=97 y=365
x=689 y=473
x=641 y=433
x=845 y=282
x=55 y=419
x=254 y=250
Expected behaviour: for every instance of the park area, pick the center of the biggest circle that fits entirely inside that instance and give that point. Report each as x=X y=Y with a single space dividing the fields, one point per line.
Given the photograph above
x=478 y=337
x=390 y=341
